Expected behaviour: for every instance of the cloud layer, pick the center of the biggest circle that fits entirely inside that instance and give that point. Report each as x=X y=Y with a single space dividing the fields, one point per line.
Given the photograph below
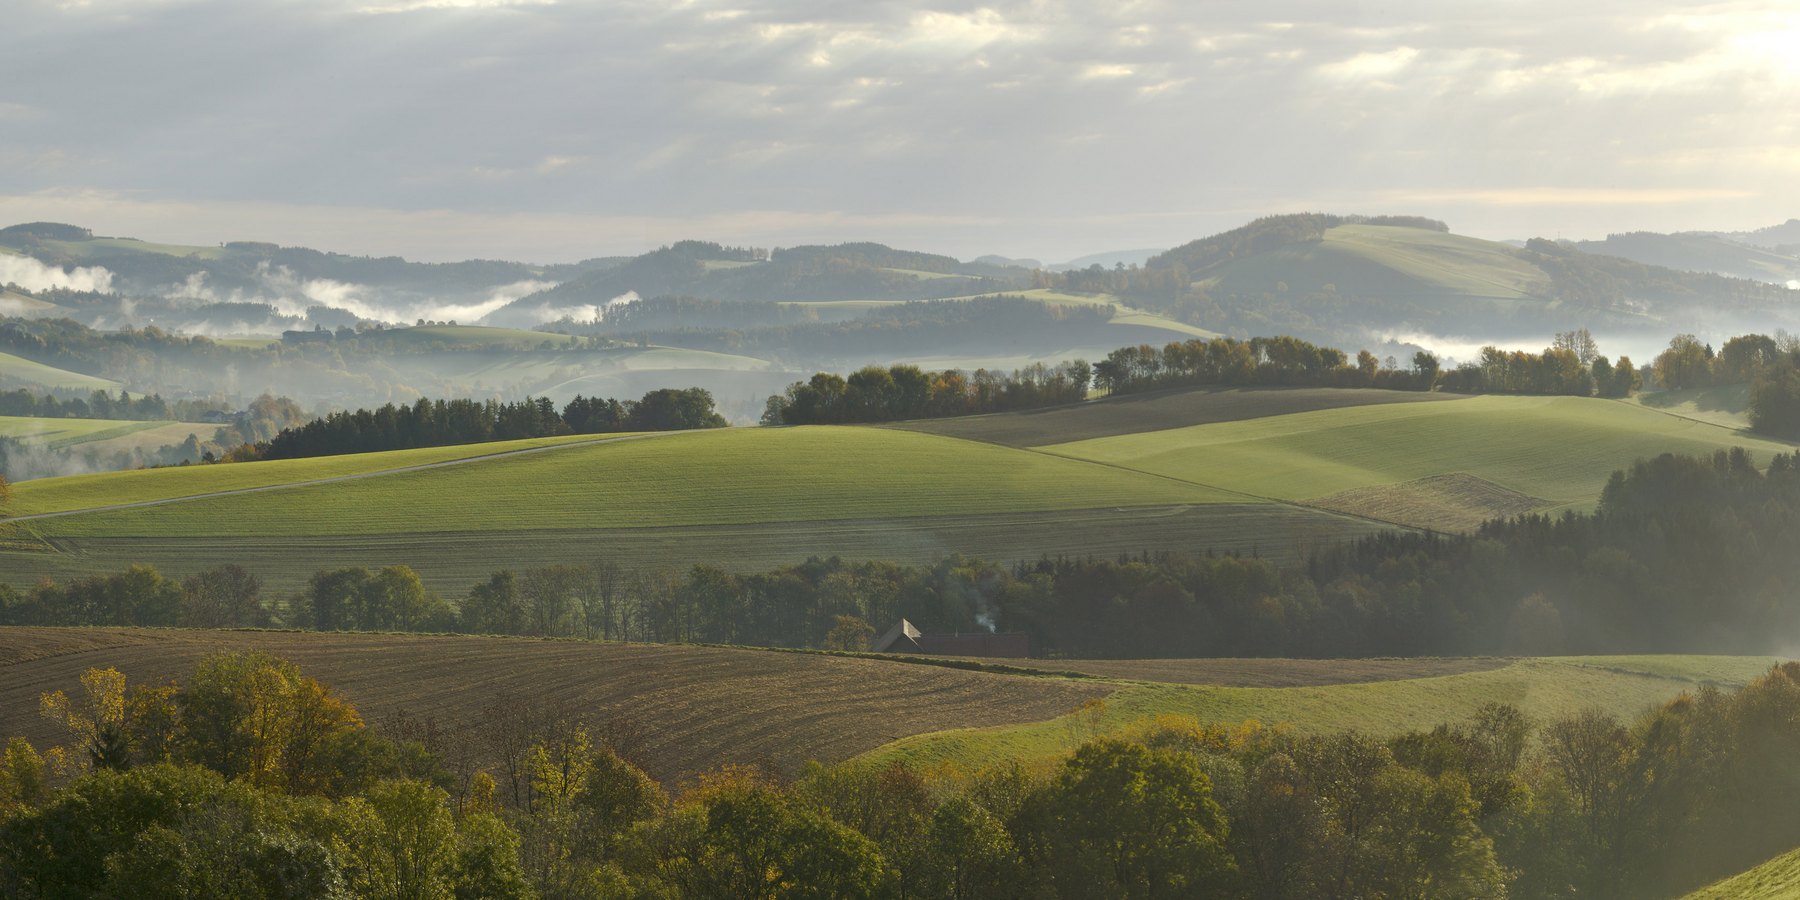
x=1045 y=128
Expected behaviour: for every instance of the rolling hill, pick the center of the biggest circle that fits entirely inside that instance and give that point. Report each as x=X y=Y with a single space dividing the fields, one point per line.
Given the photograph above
x=1346 y=279
x=1277 y=473
x=693 y=708
x=1777 y=879
x=1696 y=252
x=101 y=435
x=17 y=371
x=1512 y=454
x=1542 y=687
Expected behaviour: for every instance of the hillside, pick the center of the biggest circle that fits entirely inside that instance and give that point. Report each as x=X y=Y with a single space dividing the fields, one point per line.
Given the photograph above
x=17 y=371
x=693 y=708
x=1695 y=252
x=1156 y=411
x=1511 y=454
x=1339 y=278
x=1777 y=879
x=1542 y=687
x=99 y=435
x=1270 y=473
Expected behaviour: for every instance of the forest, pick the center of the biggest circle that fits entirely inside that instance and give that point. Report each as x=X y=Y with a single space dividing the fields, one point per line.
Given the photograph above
x=441 y=423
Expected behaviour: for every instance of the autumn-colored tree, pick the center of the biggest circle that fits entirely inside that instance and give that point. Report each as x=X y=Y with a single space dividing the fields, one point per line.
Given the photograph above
x=96 y=718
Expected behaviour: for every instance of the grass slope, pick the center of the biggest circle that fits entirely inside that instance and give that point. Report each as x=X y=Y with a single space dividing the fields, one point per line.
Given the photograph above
x=19 y=369
x=732 y=476
x=451 y=561
x=1543 y=688
x=143 y=485
x=1726 y=405
x=696 y=707
x=1155 y=411
x=1777 y=879
x=1384 y=260
x=1558 y=449
x=104 y=435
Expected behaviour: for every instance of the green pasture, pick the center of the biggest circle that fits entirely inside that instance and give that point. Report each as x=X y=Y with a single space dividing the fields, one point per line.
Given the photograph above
x=1727 y=405
x=1543 y=687
x=59 y=433
x=1558 y=449
x=140 y=485
x=729 y=476
x=1777 y=879
x=1379 y=259
x=20 y=369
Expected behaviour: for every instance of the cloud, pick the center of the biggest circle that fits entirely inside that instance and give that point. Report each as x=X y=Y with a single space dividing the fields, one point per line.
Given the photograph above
x=34 y=276
x=466 y=118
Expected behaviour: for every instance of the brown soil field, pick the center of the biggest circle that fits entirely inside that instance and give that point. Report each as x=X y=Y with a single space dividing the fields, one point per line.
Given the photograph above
x=694 y=708
x=1451 y=502
x=1156 y=411
x=1272 y=673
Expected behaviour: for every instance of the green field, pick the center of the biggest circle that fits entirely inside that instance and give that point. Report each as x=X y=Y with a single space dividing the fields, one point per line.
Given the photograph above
x=731 y=476
x=103 y=246
x=76 y=492
x=1543 y=688
x=451 y=561
x=17 y=369
x=99 y=434
x=1559 y=450
x=1385 y=260
x=1726 y=405
x=1777 y=879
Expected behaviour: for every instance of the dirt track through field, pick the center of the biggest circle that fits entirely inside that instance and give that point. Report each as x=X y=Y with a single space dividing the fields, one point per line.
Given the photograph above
x=695 y=707
x=1157 y=411
x=332 y=480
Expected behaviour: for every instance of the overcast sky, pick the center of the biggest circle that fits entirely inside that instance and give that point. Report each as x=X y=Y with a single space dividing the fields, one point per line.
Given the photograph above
x=445 y=129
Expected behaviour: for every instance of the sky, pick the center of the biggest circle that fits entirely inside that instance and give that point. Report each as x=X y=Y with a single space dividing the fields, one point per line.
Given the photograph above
x=556 y=131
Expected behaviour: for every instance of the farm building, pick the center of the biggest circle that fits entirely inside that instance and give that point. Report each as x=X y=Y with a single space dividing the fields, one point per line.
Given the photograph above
x=905 y=637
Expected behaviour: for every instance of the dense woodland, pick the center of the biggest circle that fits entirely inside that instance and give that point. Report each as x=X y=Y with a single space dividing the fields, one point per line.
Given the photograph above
x=442 y=423
x=249 y=779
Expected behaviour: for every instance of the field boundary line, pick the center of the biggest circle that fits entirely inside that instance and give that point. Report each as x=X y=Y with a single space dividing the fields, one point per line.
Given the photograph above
x=500 y=454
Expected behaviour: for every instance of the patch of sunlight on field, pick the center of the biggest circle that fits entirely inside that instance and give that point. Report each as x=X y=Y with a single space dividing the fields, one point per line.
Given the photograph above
x=1543 y=687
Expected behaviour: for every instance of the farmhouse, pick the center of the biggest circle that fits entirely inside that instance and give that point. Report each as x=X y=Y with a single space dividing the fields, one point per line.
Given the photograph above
x=905 y=637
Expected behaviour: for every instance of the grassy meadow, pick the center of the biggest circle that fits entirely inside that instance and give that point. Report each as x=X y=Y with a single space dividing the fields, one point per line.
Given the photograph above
x=76 y=492
x=1542 y=687
x=730 y=476
x=20 y=370
x=1558 y=450
x=1777 y=879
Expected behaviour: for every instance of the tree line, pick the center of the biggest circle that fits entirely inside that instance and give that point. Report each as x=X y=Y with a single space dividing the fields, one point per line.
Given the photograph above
x=250 y=779
x=1683 y=554
x=876 y=394
x=102 y=405
x=439 y=423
